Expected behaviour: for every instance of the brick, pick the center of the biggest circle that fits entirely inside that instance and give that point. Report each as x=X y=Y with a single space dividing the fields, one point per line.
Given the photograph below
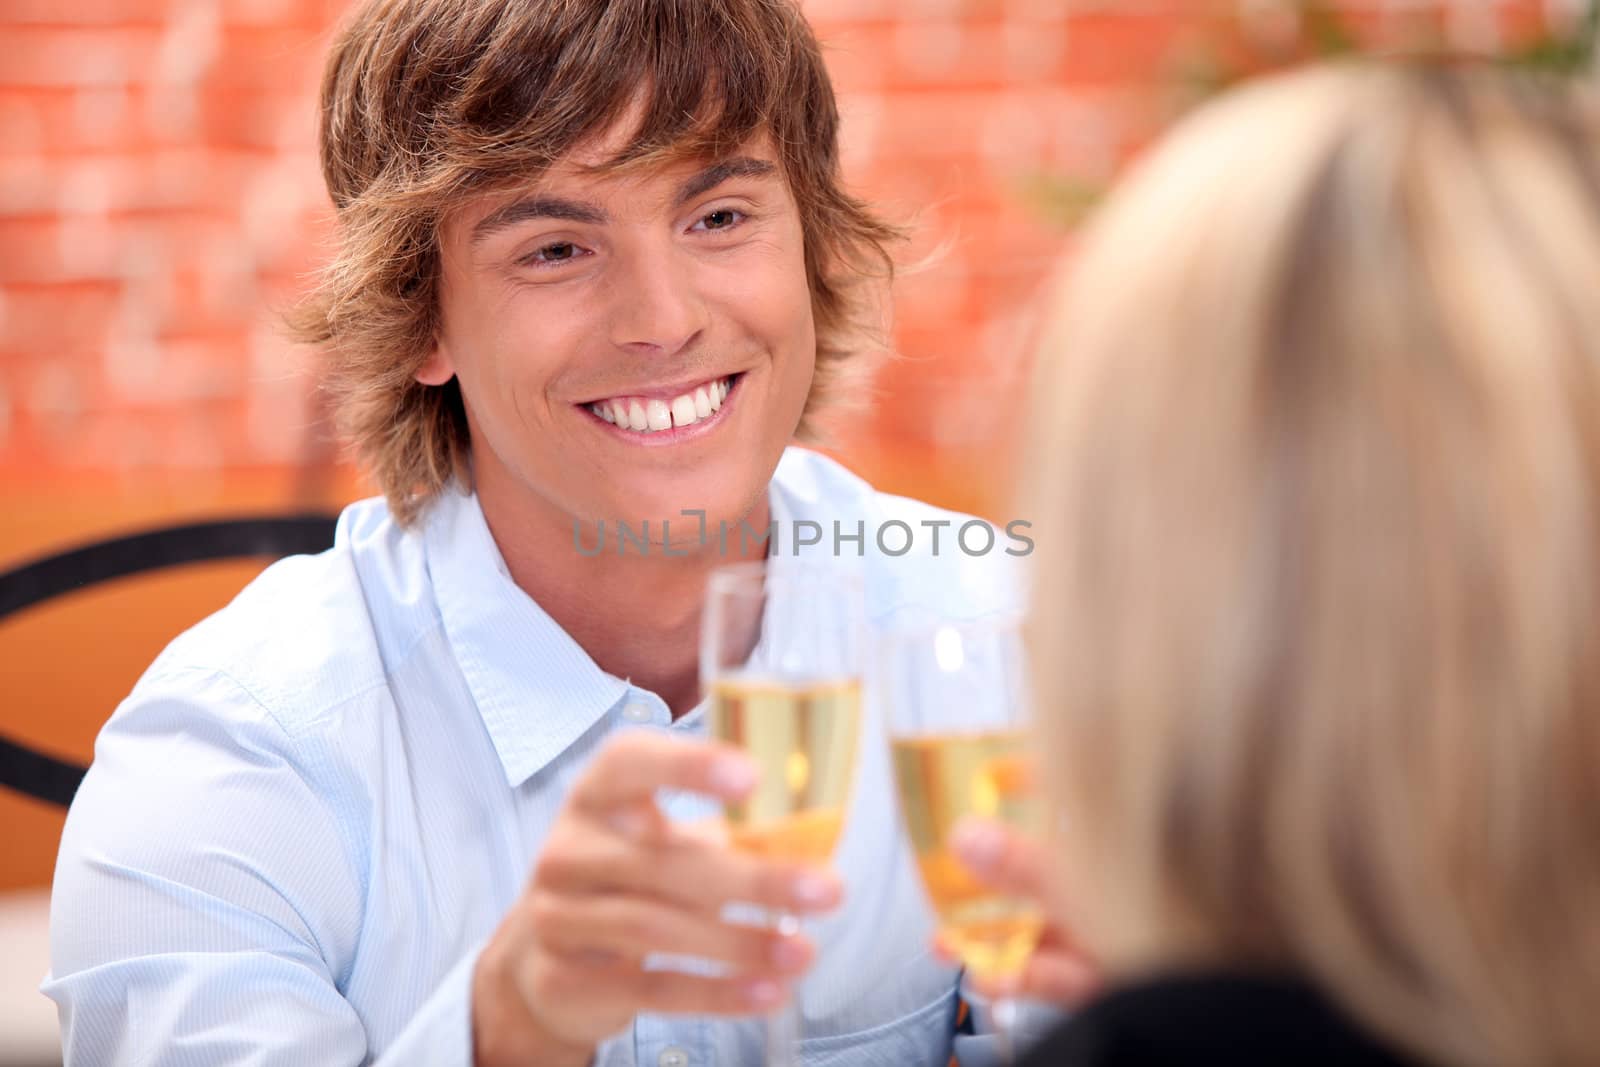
x=30 y=251
x=827 y=15
x=89 y=12
x=189 y=45
x=22 y=129
x=979 y=54
x=308 y=13
x=945 y=54
x=58 y=390
x=100 y=118
x=66 y=56
x=174 y=373
x=44 y=318
x=857 y=57
x=251 y=118
x=268 y=57
x=278 y=422
x=933 y=124
x=66 y=120
x=1124 y=48
x=25 y=186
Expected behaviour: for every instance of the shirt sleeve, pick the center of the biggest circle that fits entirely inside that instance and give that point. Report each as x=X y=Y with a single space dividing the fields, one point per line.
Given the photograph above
x=207 y=898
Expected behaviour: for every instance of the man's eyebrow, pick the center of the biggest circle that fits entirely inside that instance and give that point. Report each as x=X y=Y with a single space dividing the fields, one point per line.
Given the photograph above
x=536 y=207
x=717 y=173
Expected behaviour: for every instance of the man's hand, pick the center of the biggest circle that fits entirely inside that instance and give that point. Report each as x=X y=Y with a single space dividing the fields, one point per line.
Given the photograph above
x=617 y=882
x=1059 y=972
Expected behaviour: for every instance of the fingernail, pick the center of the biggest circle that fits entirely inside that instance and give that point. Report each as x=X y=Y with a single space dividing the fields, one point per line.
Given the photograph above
x=789 y=954
x=978 y=844
x=733 y=775
x=763 y=992
x=813 y=891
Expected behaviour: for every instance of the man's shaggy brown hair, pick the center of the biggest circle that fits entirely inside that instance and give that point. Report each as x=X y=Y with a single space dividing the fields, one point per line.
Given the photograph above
x=429 y=103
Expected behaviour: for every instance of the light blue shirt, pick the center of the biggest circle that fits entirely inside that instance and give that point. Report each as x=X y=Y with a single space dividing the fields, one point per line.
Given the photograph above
x=315 y=807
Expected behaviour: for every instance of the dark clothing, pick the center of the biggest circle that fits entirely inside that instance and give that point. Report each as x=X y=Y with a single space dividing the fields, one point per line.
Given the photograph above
x=1212 y=1019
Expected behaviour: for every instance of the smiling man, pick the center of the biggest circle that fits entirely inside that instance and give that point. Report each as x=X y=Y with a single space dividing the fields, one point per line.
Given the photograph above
x=436 y=796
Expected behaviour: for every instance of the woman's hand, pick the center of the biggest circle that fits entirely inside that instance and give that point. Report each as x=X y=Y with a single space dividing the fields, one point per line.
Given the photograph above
x=1059 y=971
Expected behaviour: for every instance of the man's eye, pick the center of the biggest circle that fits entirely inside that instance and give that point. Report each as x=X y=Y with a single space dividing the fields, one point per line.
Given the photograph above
x=556 y=253
x=720 y=220
x=552 y=255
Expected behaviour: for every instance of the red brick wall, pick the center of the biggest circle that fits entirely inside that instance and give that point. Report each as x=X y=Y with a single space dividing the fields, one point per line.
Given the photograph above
x=159 y=194
x=965 y=108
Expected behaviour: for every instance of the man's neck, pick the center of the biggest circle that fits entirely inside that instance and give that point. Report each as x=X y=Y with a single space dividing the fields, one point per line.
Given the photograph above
x=635 y=612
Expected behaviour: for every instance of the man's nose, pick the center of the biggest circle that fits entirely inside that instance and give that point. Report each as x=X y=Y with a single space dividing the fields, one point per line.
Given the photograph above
x=656 y=309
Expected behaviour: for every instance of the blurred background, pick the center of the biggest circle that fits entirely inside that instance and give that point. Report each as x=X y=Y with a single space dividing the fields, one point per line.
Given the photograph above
x=160 y=201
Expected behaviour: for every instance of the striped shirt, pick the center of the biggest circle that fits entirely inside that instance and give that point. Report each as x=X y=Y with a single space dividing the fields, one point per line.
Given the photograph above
x=315 y=807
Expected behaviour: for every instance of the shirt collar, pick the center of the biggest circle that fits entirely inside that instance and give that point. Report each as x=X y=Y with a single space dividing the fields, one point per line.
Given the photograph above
x=799 y=493
x=536 y=688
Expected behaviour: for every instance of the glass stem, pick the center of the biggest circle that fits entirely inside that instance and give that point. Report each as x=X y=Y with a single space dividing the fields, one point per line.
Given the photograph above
x=783 y=1024
x=783 y=1035
x=1003 y=1013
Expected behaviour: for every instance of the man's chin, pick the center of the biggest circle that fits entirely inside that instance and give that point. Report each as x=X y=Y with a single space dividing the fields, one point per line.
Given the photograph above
x=680 y=523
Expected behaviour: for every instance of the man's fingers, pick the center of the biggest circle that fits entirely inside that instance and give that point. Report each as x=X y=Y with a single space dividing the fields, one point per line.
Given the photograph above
x=633 y=927
x=583 y=982
x=685 y=867
x=592 y=992
x=634 y=765
x=1000 y=857
x=672 y=993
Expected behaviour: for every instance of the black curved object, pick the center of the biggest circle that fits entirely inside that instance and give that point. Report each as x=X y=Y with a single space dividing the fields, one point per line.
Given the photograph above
x=55 y=781
x=37 y=775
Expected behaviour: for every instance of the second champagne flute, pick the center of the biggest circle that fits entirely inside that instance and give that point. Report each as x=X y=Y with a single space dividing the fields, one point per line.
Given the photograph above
x=781 y=663
x=957 y=711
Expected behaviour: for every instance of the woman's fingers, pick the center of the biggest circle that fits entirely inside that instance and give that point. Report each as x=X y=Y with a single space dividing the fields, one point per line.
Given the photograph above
x=1000 y=857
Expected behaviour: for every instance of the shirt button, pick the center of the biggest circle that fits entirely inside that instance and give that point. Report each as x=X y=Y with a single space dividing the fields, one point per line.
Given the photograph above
x=673 y=1057
x=638 y=713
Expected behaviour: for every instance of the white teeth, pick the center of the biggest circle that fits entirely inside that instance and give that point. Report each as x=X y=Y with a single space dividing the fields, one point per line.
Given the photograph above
x=683 y=412
x=651 y=415
x=657 y=413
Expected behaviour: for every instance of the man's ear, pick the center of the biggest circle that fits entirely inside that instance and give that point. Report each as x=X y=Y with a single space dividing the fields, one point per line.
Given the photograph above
x=438 y=368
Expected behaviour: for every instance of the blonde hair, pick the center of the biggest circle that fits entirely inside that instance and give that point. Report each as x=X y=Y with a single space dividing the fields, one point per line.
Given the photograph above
x=1318 y=512
x=426 y=103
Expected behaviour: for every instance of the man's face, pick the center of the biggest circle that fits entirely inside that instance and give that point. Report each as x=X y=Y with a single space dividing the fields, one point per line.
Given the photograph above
x=629 y=346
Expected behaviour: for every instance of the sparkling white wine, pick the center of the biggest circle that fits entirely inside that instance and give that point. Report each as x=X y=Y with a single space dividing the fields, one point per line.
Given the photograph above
x=803 y=736
x=941 y=778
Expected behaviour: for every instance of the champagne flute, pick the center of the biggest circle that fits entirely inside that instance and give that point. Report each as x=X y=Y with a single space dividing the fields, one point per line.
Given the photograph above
x=781 y=662
x=957 y=714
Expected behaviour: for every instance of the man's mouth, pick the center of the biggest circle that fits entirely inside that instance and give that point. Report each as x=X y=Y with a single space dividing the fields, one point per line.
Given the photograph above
x=653 y=414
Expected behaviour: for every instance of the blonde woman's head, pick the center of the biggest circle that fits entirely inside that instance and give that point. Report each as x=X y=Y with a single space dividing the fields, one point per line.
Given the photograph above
x=1318 y=514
